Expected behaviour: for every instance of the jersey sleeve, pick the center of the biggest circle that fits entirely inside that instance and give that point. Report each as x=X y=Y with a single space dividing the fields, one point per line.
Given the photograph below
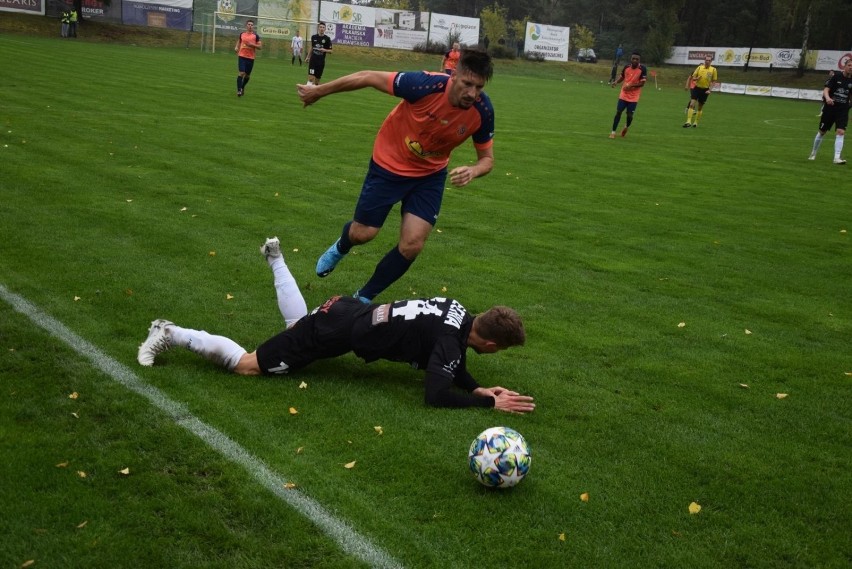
x=644 y=75
x=414 y=85
x=446 y=367
x=482 y=138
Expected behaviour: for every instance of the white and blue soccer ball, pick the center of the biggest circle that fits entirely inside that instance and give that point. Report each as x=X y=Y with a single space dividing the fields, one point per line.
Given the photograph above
x=499 y=457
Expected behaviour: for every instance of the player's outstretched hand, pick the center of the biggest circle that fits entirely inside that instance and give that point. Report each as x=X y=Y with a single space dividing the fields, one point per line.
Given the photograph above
x=514 y=403
x=307 y=94
x=494 y=391
x=461 y=176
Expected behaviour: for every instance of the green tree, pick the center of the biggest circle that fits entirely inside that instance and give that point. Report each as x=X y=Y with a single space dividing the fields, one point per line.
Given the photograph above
x=582 y=37
x=493 y=20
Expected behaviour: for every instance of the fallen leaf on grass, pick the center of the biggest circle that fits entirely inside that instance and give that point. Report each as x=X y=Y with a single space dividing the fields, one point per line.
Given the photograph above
x=561 y=537
x=584 y=496
x=299 y=450
x=125 y=471
x=378 y=429
x=76 y=298
x=212 y=253
x=62 y=464
x=744 y=385
x=183 y=209
x=681 y=324
x=129 y=201
x=443 y=289
x=74 y=395
x=694 y=508
x=295 y=250
x=350 y=465
x=303 y=385
x=75 y=415
x=81 y=474
x=780 y=395
x=229 y=296
x=82 y=524
x=293 y=411
x=289 y=485
x=748 y=332
x=28 y=563
x=849 y=373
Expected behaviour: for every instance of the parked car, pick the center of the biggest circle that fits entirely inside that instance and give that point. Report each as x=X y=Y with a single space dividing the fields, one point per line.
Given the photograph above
x=587 y=55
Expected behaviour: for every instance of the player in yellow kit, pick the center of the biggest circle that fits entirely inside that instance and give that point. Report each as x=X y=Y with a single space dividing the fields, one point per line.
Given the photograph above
x=704 y=76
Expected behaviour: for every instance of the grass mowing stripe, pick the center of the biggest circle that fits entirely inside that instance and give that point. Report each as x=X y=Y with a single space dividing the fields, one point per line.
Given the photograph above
x=348 y=539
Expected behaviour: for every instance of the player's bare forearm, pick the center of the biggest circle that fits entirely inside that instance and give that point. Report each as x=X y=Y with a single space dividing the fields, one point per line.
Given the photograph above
x=377 y=79
x=463 y=175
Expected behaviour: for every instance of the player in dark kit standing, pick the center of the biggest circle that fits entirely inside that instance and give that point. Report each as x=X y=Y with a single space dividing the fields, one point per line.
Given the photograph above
x=320 y=45
x=429 y=334
x=837 y=96
x=410 y=157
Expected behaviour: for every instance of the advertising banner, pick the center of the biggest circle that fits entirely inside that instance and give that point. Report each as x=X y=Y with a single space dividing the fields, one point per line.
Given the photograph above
x=831 y=60
x=548 y=42
x=349 y=24
x=27 y=6
x=226 y=13
x=96 y=10
x=281 y=10
x=736 y=56
x=174 y=14
x=400 y=29
x=442 y=25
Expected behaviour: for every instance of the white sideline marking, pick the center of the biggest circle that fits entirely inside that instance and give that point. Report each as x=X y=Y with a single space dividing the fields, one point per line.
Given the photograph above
x=348 y=539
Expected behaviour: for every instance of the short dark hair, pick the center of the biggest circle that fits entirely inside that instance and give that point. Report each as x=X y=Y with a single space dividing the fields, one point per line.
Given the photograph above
x=636 y=53
x=501 y=325
x=320 y=23
x=477 y=62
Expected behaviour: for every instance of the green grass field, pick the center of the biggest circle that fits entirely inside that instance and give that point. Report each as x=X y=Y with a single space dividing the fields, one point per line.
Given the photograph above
x=672 y=282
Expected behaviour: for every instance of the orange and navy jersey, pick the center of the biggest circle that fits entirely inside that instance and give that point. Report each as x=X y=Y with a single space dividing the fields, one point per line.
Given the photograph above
x=632 y=76
x=419 y=134
x=451 y=60
x=246 y=51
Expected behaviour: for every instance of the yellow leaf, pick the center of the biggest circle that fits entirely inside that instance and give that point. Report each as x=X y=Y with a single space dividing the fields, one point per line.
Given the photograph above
x=439 y=231
x=443 y=289
x=276 y=194
x=295 y=250
x=293 y=411
x=124 y=471
x=849 y=373
x=561 y=537
x=289 y=485
x=303 y=385
x=584 y=496
x=212 y=253
x=350 y=464
x=748 y=332
x=75 y=415
x=694 y=508
x=842 y=231
x=28 y=563
x=780 y=395
x=681 y=324
x=76 y=298
x=81 y=474
x=299 y=450
x=128 y=201
x=82 y=524
x=62 y=464
x=744 y=385
x=74 y=395
x=378 y=429
x=229 y=296
x=183 y=209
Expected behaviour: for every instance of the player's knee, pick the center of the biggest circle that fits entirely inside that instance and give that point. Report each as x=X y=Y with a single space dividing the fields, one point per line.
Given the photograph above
x=360 y=233
x=840 y=131
x=410 y=248
x=247 y=365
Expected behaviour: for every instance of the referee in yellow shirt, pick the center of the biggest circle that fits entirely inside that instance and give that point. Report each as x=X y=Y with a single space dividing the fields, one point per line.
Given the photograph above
x=704 y=76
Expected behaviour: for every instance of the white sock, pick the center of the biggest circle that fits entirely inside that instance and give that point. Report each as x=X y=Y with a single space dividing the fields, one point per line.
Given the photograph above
x=291 y=303
x=817 y=142
x=838 y=146
x=218 y=349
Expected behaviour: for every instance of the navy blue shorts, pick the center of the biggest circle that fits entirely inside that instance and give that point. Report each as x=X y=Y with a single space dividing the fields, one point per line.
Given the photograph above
x=629 y=105
x=383 y=189
x=246 y=65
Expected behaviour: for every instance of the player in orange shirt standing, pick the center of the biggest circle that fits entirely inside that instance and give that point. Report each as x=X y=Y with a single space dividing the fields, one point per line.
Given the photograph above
x=633 y=76
x=451 y=59
x=247 y=44
x=410 y=157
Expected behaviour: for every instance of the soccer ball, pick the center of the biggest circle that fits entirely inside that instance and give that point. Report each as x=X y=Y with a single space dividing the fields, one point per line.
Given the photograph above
x=499 y=457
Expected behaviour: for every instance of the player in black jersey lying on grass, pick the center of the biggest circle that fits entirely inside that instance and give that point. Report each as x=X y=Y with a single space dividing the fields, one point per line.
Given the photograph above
x=430 y=334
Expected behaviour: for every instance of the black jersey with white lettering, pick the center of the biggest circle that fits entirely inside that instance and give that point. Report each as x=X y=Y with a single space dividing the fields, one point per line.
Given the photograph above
x=429 y=334
x=840 y=89
x=318 y=43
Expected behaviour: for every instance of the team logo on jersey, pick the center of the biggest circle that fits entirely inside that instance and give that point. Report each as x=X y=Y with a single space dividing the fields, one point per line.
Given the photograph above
x=451 y=367
x=226 y=9
x=381 y=315
x=462 y=130
x=418 y=149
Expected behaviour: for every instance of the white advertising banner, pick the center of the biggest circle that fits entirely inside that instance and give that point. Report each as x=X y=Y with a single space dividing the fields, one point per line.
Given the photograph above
x=442 y=25
x=548 y=42
x=831 y=60
x=400 y=29
x=735 y=56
